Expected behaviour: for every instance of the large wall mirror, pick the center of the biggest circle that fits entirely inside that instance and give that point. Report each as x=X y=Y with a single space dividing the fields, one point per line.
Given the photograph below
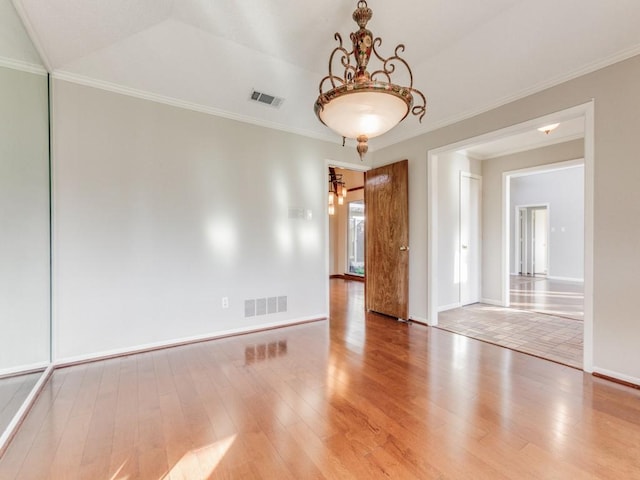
x=25 y=300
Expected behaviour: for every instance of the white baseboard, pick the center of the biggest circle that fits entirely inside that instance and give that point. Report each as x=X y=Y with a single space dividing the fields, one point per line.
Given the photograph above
x=566 y=279
x=444 y=308
x=417 y=319
x=15 y=422
x=617 y=375
x=64 y=362
x=490 y=301
x=23 y=369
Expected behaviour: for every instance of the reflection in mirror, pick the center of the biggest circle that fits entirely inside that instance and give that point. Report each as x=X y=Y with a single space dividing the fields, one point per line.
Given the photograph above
x=24 y=219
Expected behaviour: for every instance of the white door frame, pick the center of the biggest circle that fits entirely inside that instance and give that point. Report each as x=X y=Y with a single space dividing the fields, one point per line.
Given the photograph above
x=585 y=111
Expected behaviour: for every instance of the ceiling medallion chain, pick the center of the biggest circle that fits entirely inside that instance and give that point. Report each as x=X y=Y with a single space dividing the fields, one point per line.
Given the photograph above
x=363 y=105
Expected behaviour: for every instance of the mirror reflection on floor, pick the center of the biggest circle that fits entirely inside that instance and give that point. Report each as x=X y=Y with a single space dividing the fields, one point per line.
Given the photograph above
x=13 y=392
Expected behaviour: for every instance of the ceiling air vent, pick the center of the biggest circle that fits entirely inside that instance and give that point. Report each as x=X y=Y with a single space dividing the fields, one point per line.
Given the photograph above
x=267 y=99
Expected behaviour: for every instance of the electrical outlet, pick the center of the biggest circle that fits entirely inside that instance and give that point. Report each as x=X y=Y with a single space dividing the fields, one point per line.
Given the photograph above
x=225 y=302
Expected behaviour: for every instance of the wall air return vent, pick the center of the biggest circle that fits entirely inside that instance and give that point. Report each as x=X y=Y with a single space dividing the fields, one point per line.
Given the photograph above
x=266 y=99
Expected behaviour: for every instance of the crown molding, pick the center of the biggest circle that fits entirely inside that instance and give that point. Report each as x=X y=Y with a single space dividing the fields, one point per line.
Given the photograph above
x=374 y=145
x=22 y=66
x=175 y=102
x=31 y=32
x=579 y=72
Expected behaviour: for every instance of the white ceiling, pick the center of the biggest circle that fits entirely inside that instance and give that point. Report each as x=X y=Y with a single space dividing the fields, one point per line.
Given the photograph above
x=467 y=56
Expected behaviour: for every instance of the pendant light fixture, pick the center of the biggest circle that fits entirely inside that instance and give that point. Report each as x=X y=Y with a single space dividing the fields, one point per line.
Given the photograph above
x=361 y=105
x=337 y=190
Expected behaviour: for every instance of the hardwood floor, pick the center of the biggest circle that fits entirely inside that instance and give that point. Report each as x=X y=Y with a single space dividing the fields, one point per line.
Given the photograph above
x=356 y=397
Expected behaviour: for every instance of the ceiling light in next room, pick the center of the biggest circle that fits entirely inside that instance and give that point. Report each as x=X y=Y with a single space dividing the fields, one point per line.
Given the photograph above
x=548 y=128
x=361 y=105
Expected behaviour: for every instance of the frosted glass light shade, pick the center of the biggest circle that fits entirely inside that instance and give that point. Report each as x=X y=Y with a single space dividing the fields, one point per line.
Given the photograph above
x=365 y=112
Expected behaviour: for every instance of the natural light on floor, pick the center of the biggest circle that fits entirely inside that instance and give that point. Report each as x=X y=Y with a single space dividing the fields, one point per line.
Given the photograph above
x=203 y=460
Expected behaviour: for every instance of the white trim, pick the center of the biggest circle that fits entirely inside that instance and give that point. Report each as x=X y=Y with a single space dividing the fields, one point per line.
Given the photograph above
x=585 y=110
x=55 y=323
x=62 y=362
x=24 y=409
x=417 y=319
x=489 y=301
x=566 y=279
x=449 y=307
x=470 y=175
x=196 y=107
x=22 y=66
x=432 y=238
x=589 y=189
x=357 y=167
x=518 y=242
x=24 y=369
x=617 y=375
x=589 y=68
x=506 y=229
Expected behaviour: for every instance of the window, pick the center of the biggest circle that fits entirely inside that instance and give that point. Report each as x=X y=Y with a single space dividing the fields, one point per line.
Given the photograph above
x=355 y=238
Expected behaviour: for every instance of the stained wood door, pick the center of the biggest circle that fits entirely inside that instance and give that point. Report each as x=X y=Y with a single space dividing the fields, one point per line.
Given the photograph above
x=386 y=199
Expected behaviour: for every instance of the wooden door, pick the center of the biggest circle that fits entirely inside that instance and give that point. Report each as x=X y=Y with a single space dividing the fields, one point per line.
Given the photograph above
x=386 y=199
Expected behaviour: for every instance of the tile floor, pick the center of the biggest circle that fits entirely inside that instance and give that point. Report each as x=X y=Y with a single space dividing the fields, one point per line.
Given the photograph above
x=528 y=328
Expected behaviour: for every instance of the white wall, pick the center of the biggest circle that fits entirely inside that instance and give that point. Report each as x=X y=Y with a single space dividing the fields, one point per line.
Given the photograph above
x=563 y=191
x=24 y=220
x=159 y=212
x=616 y=94
x=449 y=168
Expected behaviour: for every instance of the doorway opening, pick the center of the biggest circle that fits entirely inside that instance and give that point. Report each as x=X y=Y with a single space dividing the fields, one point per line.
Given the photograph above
x=532 y=240
x=501 y=225
x=346 y=222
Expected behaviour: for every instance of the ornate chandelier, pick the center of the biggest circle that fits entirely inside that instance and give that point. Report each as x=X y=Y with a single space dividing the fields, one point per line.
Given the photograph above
x=363 y=105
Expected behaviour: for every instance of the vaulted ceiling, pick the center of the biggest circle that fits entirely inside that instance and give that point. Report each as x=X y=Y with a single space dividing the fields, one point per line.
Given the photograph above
x=467 y=55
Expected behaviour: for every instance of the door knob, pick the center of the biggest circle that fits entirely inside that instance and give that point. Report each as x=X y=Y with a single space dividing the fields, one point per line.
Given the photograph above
x=403 y=248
